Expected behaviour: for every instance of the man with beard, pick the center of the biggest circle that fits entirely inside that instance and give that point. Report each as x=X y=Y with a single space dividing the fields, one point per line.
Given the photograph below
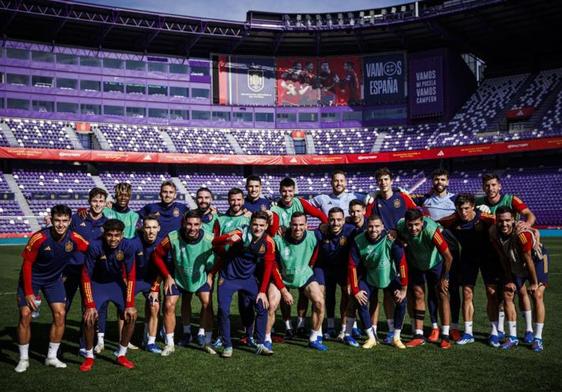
x=438 y=204
x=376 y=261
x=297 y=253
x=247 y=267
x=330 y=270
x=339 y=197
x=471 y=226
x=287 y=205
x=193 y=257
x=490 y=202
x=522 y=258
x=429 y=261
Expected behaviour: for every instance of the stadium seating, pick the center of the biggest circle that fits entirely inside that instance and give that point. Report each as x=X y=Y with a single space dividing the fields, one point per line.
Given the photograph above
x=343 y=141
x=11 y=217
x=261 y=141
x=200 y=140
x=552 y=121
x=133 y=138
x=542 y=84
x=39 y=133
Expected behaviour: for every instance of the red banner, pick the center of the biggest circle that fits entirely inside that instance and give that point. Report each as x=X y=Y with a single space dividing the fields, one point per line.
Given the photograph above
x=287 y=160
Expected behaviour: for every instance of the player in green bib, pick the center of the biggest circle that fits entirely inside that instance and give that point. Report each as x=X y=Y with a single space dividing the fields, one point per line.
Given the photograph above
x=429 y=260
x=282 y=212
x=296 y=254
x=494 y=199
x=121 y=211
x=382 y=265
x=193 y=257
x=237 y=218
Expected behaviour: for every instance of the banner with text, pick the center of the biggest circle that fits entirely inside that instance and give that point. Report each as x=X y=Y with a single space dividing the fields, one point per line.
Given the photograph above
x=246 y=80
x=384 y=79
x=426 y=85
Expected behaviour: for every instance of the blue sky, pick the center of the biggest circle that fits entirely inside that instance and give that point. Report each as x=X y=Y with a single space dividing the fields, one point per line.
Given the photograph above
x=236 y=9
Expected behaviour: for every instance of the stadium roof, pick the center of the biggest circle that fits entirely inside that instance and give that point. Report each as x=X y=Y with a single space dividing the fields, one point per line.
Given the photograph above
x=523 y=34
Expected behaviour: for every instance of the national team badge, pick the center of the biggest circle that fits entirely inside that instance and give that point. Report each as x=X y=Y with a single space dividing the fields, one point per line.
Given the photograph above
x=256 y=79
x=397 y=203
x=262 y=249
x=176 y=212
x=120 y=256
x=221 y=281
x=343 y=241
x=69 y=246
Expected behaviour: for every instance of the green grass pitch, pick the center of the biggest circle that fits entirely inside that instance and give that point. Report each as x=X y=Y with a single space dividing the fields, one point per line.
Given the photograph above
x=476 y=367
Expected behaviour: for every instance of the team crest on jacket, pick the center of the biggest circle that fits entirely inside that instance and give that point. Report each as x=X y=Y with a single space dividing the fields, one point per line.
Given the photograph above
x=120 y=256
x=397 y=203
x=69 y=246
x=343 y=241
x=262 y=249
x=176 y=212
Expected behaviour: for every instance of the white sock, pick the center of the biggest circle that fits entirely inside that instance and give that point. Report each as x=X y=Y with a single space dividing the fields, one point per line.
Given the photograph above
x=331 y=323
x=468 y=327
x=494 y=325
x=53 y=348
x=349 y=325
x=419 y=332
x=456 y=326
x=370 y=333
x=397 y=333
x=512 y=326
x=300 y=322
x=288 y=324
x=24 y=351
x=208 y=336
x=355 y=324
x=445 y=330
x=390 y=324
x=538 y=330
x=268 y=337
x=374 y=327
x=170 y=339
x=528 y=320
x=100 y=337
x=501 y=321
x=90 y=353
x=187 y=328
x=201 y=332
x=314 y=335
x=122 y=351
x=151 y=340
x=434 y=325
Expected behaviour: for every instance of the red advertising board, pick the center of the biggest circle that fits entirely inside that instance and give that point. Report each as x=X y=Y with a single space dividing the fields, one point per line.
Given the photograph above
x=287 y=160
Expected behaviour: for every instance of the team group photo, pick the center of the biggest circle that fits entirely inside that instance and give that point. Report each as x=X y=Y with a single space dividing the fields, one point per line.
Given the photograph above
x=309 y=199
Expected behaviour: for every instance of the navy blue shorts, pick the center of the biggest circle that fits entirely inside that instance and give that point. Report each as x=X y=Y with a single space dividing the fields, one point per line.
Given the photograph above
x=330 y=276
x=431 y=276
x=143 y=287
x=109 y=292
x=179 y=291
x=541 y=267
x=392 y=286
x=309 y=281
x=468 y=271
x=54 y=292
